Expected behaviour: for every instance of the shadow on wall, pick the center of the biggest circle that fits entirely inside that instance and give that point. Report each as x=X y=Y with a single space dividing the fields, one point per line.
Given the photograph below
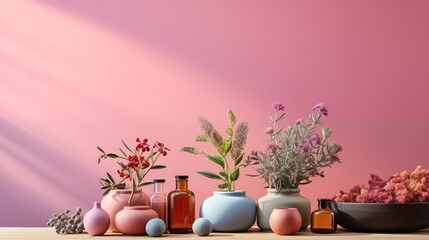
x=33 y=180
x=41 y=64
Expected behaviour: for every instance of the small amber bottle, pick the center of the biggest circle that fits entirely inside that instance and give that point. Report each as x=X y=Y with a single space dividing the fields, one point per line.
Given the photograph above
x=181 y=207
x=323 y=220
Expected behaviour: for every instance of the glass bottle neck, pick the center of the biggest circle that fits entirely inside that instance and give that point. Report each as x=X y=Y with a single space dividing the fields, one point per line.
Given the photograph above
x=159 y=187
x=181 y=184
x=324 y=204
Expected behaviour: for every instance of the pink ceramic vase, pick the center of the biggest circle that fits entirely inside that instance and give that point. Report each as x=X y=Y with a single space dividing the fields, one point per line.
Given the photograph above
x=116 y=200
x=96 y=220
x=285 y=221
x=132 y=220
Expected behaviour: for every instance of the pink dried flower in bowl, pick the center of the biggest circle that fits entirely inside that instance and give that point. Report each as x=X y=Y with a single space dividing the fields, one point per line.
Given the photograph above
x=401 y=187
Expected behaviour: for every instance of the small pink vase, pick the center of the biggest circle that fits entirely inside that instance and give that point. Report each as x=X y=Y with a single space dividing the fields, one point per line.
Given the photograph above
x=285 y=221
x=96 y=220
x=132 y=220
x=116 y=200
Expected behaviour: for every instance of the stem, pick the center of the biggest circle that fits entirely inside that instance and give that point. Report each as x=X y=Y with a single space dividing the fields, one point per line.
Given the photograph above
x=275 y=128
x=132 y=193
x=233 y=185
x=153 y=163
x=227 y=173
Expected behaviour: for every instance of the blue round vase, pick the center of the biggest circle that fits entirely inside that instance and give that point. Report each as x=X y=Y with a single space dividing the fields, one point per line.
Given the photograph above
x=229 y=211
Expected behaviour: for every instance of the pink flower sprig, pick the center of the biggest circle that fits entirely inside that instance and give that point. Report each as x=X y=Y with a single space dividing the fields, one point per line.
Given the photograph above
x=134 y=167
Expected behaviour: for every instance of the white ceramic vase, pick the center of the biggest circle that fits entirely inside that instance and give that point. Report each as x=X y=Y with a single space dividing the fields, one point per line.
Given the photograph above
x=286 y=198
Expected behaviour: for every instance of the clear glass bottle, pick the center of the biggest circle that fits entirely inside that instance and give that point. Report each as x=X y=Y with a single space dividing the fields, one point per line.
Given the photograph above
x=323 y=220
x=158 y=199
x=181 y=207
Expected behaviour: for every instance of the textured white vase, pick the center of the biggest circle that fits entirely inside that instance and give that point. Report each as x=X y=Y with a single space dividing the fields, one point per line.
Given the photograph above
x=286 y=198
x=229 y=211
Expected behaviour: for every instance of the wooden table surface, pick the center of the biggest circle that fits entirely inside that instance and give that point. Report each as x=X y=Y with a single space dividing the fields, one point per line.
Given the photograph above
x=254 y=233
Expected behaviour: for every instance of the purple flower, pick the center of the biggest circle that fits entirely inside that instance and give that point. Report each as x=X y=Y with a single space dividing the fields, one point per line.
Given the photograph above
x=313 y=137
x=298 y=121
x=269 y=130
x=272 y=148
x=321 y=108
x=278 y=106
x=304 y=147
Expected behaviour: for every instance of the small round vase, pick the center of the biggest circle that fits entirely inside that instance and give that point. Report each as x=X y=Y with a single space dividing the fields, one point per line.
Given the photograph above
x=116 y=200
x=284 y=221
x=229 y=211
x=286 y=198
x=96 y=221
x=133 y=220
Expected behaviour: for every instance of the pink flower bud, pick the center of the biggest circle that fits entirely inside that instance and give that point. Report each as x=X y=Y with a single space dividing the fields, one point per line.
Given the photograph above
x=269 y=130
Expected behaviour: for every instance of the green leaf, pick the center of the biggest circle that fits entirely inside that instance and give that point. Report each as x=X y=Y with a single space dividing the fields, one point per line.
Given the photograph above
x=238 y=159
x=235 y=175
x=223 y=185
x=252 y=175
x=104 y=180
x=202 y=138
x=112 y=155
x=126 y=145
x=280 y=117
x=231 y=117
x=106 y=192
x=105 y=187
x=210 y=175
x=101 y=150
x=158 y=167
x=191 y=150
x=223 y=174
x=217 y=159
x=121 y=164
x=145 y=184
x=111 y=178
x=226 y=146
x=122 y=151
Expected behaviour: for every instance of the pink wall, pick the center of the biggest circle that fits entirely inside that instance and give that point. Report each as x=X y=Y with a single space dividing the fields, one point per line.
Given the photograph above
x=77 y=74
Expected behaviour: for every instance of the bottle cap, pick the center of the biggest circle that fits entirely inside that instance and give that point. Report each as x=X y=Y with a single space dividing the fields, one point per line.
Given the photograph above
x=181 y=177
x=159 y=180
x=324 y=203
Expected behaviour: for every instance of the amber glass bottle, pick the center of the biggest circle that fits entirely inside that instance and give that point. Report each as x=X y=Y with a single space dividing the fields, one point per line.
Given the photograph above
x=181 y=207
x=323 y=220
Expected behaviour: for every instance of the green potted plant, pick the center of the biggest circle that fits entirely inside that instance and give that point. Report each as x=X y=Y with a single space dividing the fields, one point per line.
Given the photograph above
x=229 y=210
x=134 y=165
x=292 y=157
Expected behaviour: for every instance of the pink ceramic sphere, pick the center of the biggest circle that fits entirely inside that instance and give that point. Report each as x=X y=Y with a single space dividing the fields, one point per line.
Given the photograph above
x=284 y=221
x=133 y=220
x=96 y=221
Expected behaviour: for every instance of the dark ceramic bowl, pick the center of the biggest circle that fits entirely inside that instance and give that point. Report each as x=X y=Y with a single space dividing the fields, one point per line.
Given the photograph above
x=380 y=217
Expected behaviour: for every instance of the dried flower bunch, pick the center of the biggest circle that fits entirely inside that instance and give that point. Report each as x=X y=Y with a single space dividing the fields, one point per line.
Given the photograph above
x=233 y=145
x=400 y=188
x=135 y=167
x=65 y=224
x=295 y=154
